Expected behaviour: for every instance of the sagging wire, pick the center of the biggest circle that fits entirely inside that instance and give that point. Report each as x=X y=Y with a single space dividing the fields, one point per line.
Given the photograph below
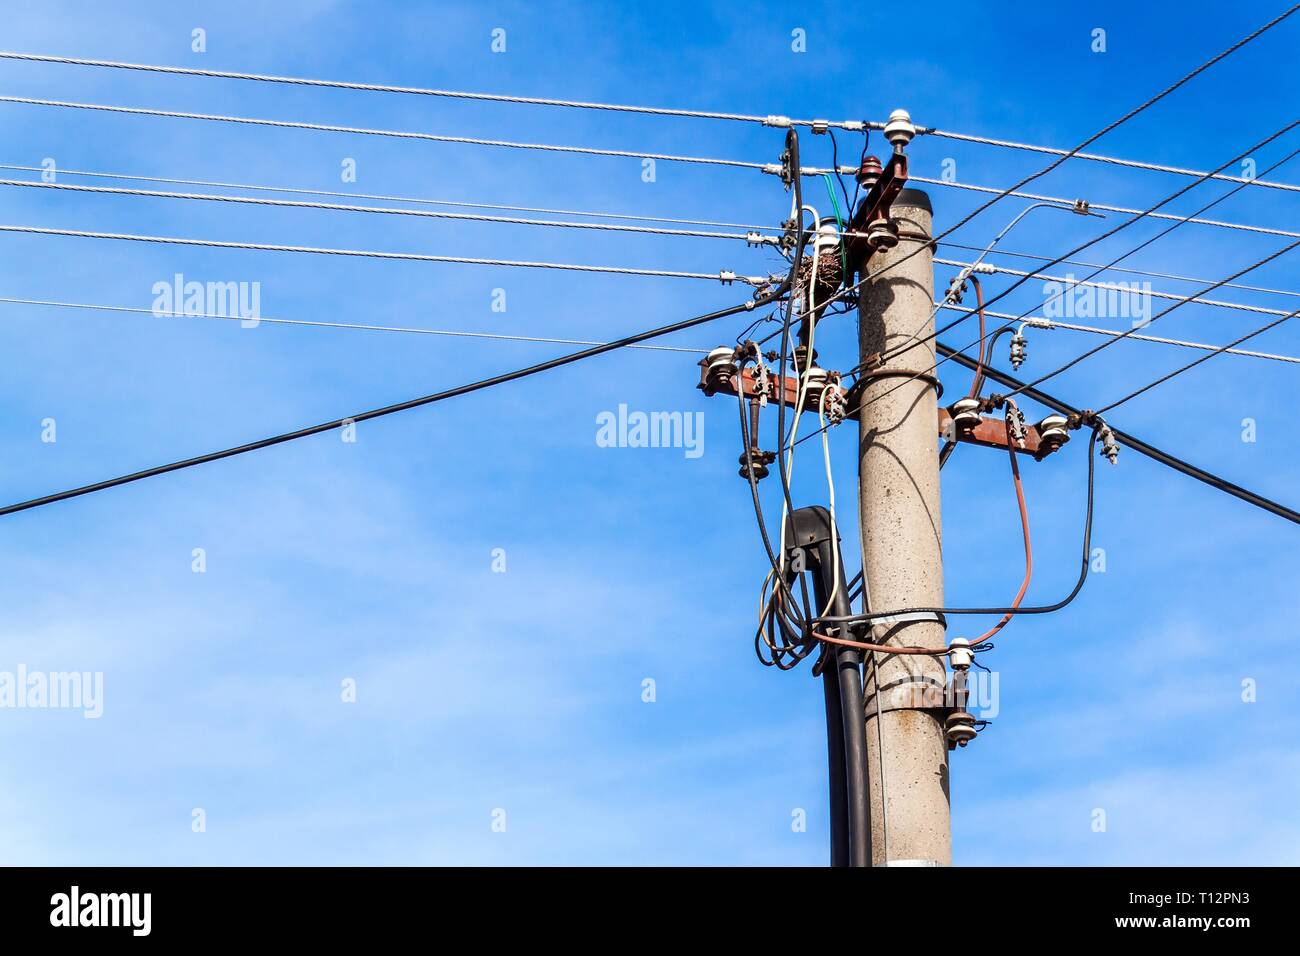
x=771 y=610
x=782 y=583
x=1098 y=427
x=781 y=608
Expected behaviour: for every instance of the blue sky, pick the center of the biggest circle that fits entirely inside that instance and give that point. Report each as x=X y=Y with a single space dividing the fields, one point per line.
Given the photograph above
x=522 y=691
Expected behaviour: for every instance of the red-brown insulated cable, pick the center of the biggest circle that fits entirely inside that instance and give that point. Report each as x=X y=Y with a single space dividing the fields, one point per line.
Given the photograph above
x=979 y=364
x=1020 y=595
x=1024 y=527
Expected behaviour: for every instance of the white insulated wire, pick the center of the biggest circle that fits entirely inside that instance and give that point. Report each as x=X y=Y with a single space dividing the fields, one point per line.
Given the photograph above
x=830 y=497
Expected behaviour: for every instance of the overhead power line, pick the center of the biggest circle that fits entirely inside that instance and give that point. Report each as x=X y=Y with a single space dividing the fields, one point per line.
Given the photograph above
x=1114 y=268
x=494 y=336
x=915 y=340
x=1012 y=192
x=1150 y=239
x=1111 y=286
x=1163 y=312
x=1109 y=160
x=382 y=198
x=780 y=122
x=1037 y=322
x=392 y=133
x=392 y=409
x=1146 y=104
x=1122 y=210
x=385 y=210
x=725 y=276
x=769 y=120
x=1124 y=438
x=1191 y=365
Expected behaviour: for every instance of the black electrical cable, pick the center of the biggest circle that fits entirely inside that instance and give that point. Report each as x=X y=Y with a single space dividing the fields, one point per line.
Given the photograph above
x=794 y=626
x=792 y=159
x=1039 y=609
x=1192 y=364
x=835 y=165
x=400 y=407
x=1124 y=225
x=1151 y=101
x=752 y=326
x=1107 y=343
x=945 y=453
x=1139 y=446
x=777 y=574
x=837 y=771
x=981 y=374
x=934 y=335
x=854 y=586
x=846 y=664
x=857 y=185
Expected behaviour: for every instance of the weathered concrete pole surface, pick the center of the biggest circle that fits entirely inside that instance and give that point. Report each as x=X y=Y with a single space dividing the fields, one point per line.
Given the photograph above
x=901 y=549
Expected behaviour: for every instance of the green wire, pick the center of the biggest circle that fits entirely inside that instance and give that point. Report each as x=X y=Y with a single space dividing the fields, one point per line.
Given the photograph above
x=839 y=222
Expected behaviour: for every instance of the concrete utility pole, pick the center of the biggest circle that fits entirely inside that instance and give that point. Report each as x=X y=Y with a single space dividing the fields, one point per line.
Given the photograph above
x=901 y=550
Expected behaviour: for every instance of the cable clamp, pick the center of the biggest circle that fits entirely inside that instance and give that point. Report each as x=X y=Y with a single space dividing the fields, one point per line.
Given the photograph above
x=773 y=169
x=1085 y=416
x=821 y=127
x=985 y=268
x=912 y=618
x=1016 y=423
x=956 y=288
x=1109 y=446
x=1019 y=347
x=726 y=276
x=780 y=122
x=868 y=375
x=1080 y=207
x=853 y=126
x=758 y=239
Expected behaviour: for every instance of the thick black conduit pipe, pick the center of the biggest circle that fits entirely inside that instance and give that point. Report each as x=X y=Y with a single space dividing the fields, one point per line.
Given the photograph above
x=811 y=529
